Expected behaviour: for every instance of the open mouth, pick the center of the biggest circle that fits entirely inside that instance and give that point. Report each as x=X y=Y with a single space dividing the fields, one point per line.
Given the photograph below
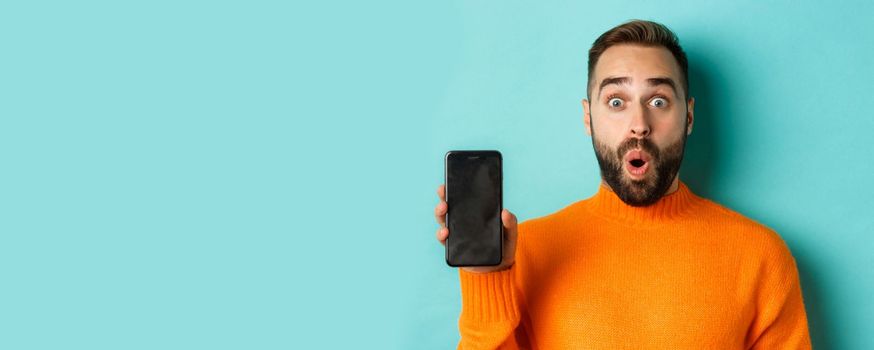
x=637 y=162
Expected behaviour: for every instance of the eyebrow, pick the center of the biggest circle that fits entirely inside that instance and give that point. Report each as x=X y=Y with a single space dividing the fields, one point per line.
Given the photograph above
x=626 y=80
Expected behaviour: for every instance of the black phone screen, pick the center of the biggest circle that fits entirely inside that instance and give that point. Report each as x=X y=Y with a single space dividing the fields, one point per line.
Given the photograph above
x=474 y=199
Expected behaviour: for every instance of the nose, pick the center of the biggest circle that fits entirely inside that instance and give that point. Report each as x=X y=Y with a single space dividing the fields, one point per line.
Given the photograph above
x=639 y=124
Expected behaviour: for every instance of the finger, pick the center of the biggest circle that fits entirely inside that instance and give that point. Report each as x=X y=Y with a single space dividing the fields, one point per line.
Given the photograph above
x=509 y=221
x=441 y=192
x=442 y=234
x=440 y=213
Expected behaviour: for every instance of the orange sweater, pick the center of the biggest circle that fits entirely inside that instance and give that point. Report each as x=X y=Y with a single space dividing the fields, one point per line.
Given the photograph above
x=684 y=273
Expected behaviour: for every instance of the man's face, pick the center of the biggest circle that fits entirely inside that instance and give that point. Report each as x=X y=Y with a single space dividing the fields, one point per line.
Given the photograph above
x=638 y=119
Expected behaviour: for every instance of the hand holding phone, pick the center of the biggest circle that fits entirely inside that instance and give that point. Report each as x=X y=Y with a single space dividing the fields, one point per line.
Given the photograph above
x=471 y=204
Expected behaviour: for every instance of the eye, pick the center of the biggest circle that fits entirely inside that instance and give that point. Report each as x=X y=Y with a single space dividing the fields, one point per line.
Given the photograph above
x=615 y=102
x=658 y=102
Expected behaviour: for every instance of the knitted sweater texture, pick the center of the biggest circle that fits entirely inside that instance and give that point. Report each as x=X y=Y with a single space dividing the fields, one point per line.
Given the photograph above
x=684 y=273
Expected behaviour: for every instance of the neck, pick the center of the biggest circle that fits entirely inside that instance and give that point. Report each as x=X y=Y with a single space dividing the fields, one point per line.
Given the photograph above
x=678 y=202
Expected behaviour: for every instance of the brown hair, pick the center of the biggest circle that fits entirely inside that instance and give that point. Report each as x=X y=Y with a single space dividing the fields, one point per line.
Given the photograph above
x=640 y=32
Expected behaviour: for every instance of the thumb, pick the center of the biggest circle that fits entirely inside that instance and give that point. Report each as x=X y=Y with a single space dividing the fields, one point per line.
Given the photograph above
x=509 y=221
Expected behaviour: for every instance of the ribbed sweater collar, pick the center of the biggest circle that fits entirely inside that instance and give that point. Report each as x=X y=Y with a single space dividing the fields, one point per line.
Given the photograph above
x=607 y=203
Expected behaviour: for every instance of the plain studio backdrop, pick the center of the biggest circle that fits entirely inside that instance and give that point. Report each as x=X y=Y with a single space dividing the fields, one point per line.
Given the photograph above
x=262 y=175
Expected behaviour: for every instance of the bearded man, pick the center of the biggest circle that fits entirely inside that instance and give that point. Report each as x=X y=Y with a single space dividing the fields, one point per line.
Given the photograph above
x=644 y=263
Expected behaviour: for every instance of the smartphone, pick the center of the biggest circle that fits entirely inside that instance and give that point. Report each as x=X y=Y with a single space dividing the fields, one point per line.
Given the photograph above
x=475 y=200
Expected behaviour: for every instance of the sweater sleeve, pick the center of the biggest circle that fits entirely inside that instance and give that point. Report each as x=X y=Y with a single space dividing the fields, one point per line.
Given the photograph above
x=781 y=321
x=490 y=311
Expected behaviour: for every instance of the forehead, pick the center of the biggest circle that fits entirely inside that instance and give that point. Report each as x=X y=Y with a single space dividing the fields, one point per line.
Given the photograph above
x=636 y=62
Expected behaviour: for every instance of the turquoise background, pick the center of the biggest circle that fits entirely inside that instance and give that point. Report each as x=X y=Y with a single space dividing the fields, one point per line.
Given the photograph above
x=262 y=175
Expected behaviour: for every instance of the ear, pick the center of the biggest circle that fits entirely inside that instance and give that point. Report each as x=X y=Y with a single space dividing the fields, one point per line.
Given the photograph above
x=690 y=115
x=587 y=117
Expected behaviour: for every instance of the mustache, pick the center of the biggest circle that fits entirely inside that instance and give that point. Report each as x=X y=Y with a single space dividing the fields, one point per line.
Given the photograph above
x=633 y=143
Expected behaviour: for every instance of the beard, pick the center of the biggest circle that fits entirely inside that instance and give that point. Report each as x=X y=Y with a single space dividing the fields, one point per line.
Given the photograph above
x=664 y=165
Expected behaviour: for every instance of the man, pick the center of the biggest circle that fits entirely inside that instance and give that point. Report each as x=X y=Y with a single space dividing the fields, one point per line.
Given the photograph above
x=644 y=263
